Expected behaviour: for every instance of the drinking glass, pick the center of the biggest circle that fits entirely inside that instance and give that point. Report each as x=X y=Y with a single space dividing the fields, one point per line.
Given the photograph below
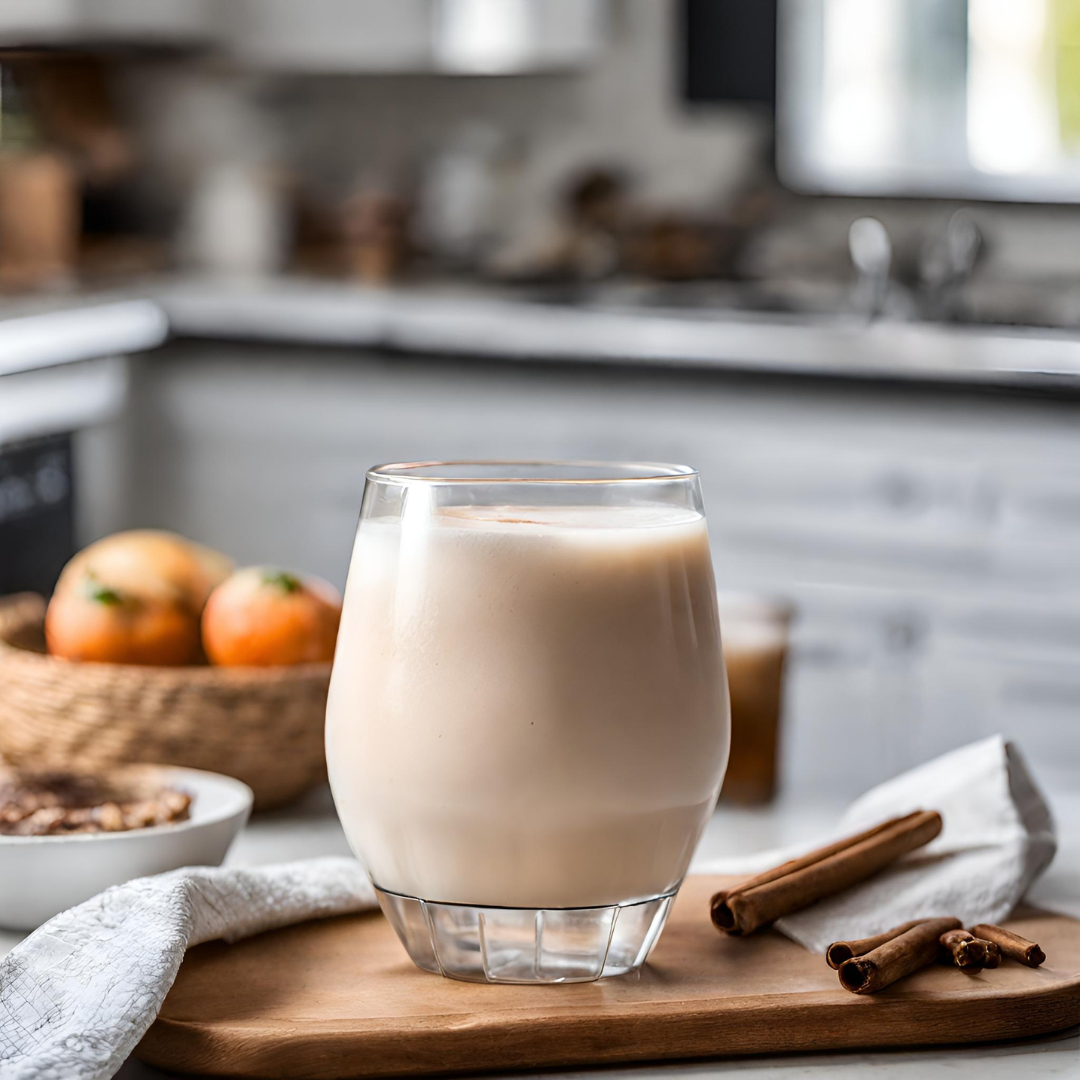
x=756 y=631
x=528 y=719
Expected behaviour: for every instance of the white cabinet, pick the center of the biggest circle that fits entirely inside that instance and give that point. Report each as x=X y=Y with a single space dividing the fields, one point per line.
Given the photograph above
x=329 y=35
x=480 y=37
x=928 y=536
x=472 y=37
x=65 y=22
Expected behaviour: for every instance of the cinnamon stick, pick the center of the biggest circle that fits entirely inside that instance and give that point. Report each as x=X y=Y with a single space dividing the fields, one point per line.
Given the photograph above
x=1011 y=945
x=814 y=856
x=828 y=870
x=841 y=951
x=993 y=953
x=911 y=950
x=963 y=950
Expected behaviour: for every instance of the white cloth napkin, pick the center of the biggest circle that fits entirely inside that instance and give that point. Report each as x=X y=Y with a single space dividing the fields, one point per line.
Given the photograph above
x=79 y=992
x=997 y=837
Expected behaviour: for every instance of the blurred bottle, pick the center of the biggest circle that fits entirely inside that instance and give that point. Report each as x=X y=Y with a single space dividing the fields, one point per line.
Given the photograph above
x=39 y=199
x=460 y=201
x=376 y=227
x=237 y=222
x=755 y=639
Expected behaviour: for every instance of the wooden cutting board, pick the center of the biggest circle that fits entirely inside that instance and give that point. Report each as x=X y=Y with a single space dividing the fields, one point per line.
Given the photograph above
x=339 y=998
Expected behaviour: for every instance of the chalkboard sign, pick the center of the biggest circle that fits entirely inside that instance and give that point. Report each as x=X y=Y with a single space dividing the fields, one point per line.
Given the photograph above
x=37 y=534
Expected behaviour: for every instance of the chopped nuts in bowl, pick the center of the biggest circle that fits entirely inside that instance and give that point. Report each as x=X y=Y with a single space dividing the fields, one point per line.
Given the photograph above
x=66 y=837
x=62 y=803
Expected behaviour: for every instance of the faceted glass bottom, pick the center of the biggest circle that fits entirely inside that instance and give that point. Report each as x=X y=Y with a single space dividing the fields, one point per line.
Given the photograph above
x=526 y=945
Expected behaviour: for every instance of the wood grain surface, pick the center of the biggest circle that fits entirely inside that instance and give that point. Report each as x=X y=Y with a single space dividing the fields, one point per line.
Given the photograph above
x=339 y=998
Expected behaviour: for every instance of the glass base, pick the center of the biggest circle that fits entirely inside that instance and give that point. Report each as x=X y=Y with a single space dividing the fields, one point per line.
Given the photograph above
x=526 y=945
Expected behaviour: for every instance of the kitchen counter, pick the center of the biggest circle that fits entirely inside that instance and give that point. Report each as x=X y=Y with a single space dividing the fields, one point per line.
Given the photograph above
x=50 y=332
x=312 y=829
x=477 y=322
x=85 y=338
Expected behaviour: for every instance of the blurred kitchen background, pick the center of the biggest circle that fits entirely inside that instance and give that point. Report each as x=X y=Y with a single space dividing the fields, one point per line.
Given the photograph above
x=827 y=251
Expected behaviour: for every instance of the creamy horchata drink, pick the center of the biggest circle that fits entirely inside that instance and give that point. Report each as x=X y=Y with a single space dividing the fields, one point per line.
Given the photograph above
x=528 y=718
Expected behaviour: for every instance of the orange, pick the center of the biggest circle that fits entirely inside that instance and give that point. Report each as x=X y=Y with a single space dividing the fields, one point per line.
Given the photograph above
x=149 y=564
x=90 y=621
x=263 y=617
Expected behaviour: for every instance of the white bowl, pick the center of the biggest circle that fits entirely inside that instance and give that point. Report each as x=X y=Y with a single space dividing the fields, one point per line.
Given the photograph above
x=43 y=875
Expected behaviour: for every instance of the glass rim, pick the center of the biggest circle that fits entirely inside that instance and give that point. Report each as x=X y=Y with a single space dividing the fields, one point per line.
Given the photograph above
x=637 y=472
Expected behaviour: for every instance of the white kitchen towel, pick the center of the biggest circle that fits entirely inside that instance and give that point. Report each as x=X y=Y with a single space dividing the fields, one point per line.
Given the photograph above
x=997 y=837
x=79 y=992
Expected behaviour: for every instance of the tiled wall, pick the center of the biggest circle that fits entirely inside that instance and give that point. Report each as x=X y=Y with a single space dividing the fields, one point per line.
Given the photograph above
x=337 y=132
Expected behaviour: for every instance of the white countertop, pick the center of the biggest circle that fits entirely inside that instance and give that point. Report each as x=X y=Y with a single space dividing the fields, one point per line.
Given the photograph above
x=66 y=331
x=60 y=365
x=312 y=829
x=478 y=323
x=463 y=321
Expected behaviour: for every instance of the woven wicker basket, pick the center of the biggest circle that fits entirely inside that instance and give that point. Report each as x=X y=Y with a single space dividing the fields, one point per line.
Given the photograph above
x=261 y=725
